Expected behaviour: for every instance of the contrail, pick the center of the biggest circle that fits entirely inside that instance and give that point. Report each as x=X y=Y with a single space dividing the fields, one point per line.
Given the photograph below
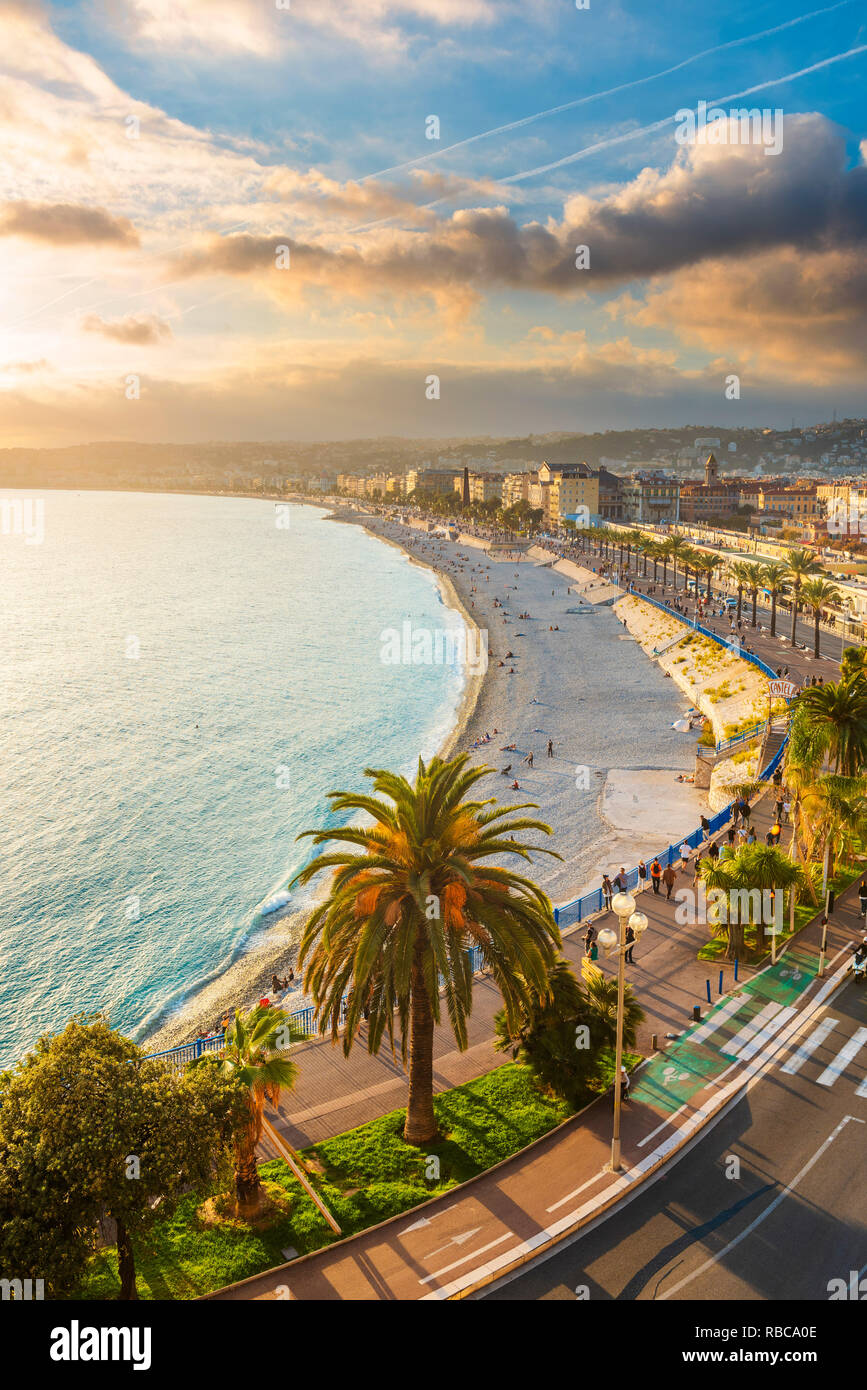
x=610 y=91
x=659 y=125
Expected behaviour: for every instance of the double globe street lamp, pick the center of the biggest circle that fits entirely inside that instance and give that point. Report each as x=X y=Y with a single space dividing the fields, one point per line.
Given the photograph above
x=623 y=905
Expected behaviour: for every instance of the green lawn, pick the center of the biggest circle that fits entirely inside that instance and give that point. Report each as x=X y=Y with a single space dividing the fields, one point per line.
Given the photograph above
x=368 y=1175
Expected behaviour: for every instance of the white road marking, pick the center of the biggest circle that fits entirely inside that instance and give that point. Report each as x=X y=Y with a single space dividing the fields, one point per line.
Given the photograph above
x=733 y=1046
x=447 y=1268
x=777 y=1022
x=772 y=1206
x=460 y=1239
x=812 y=1044
x=659 y=1128
x=843 y=1058
x=588 y=1183
x=716 y=1018
x=427 y=1220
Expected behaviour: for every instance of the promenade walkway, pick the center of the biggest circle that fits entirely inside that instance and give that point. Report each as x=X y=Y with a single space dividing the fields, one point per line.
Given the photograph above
x=456 y=1244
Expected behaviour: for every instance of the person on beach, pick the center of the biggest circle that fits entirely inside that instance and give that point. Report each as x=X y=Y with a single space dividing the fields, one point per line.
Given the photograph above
x=669 y=878
x=607 y=890
x=276 y=984
x=655 y=874
x=529 y=759
x=550 y=748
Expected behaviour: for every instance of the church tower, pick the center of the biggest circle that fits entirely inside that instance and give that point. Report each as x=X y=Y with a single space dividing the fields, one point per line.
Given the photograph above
x=711 y=470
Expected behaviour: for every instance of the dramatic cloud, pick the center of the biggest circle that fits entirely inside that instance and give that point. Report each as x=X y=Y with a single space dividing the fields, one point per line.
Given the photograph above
x=140 y=330
x=712 y=201
x=66 y=224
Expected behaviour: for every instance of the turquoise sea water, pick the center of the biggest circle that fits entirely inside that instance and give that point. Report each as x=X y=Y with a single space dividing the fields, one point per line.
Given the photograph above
x=182 y=681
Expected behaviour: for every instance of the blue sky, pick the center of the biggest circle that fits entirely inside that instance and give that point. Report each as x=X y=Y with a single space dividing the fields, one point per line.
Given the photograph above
x=257 y=123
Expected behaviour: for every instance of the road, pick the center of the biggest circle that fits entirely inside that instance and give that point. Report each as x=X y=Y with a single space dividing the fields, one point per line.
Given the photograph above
x=769 y=1204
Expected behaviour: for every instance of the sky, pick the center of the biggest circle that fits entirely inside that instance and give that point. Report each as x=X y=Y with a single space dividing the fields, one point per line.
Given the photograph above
x=326 y=219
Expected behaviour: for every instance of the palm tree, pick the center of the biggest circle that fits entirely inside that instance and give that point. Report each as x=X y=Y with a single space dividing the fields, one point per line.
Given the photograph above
x=738 y=572
x=835 y=809
x=853 y=662
x=677 y=547
x=254 y=1053
x=776 y=583
x=818 y=594
x=800 y=565
x=707 y=565
x=408 y=898
x=664 y=553
x=754 y=868
x=754 y=575
x=834 y=722
x=545 y=1037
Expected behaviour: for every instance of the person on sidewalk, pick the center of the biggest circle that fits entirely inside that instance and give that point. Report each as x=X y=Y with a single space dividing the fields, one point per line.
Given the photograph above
x=607 y=891
x=713 y=851
x=624 y=1084
x=630 y=943
x=705 y=827
x=732 y=831
x=862 y=896
x=655 y=874
x=620 y=880
x=685 y=853
x=642 y=874
x=589 y=938
x=669 y=878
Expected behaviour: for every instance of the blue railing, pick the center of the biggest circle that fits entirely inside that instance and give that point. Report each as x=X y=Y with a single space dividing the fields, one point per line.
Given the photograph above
x=593 y=902
x=303 y=1019
x=742 y=737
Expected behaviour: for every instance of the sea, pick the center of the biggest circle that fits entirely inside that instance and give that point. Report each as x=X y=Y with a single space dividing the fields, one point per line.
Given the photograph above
x=183 y=681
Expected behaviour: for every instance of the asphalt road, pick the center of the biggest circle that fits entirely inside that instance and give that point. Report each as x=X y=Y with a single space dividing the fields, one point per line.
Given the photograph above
x=779 y=1223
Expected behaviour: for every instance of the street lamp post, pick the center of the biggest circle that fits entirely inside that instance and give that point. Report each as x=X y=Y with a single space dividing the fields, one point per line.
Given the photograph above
x=623 y=905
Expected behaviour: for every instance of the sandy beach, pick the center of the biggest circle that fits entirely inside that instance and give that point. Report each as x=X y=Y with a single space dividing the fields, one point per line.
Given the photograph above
x=575 y=678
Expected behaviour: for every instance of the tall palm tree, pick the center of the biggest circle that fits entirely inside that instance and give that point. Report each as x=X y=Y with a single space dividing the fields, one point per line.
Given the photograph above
x=818 y=594
x=754 y=575
x=677 y=547
x=800 y=565
x=833 y=720
x=776 y=583
x=738 y=572
x=254 y=1052
x=752 y=868
x=707 y=565
x=409 y=895
x=664 y=553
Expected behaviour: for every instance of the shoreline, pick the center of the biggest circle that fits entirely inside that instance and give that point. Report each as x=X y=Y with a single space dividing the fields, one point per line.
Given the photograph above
x=273 y=948
x=615 y=822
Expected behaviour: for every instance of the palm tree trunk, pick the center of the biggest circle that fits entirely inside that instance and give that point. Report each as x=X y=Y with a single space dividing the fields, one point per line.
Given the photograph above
x=774 y=614
x=248 y=1185
x=817 y=615
x=125 y=1263
x=794 y=614
x=740 y=600
x=421 y=1125
x=754 y=596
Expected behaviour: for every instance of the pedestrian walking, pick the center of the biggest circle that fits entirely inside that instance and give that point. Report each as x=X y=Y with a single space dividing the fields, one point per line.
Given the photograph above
x=713 y=851
x=669 y=878
x=642 y=873
x=862 y=896
x=607 y=890
x=630 y=943
x=705 y=827
x=589 y=938
x=775 y=832
x=685 y=853
x=732 y=831
x=655 y=874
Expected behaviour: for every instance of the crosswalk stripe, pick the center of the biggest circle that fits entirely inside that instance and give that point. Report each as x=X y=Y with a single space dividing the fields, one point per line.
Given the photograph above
x=716 y=1019
x=733 y=1046
x=765 y=1034
x=843 y=1058
x=809 y=1046
x=862 y=1089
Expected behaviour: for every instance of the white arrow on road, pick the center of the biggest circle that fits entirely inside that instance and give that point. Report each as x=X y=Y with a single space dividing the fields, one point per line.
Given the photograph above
x=427 y=1220
x=460 y=1239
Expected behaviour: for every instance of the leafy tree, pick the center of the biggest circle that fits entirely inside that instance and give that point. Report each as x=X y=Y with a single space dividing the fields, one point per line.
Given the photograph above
x=408 y=897
x=562 y=1037
x=89 y=1130
x=254 y=1057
